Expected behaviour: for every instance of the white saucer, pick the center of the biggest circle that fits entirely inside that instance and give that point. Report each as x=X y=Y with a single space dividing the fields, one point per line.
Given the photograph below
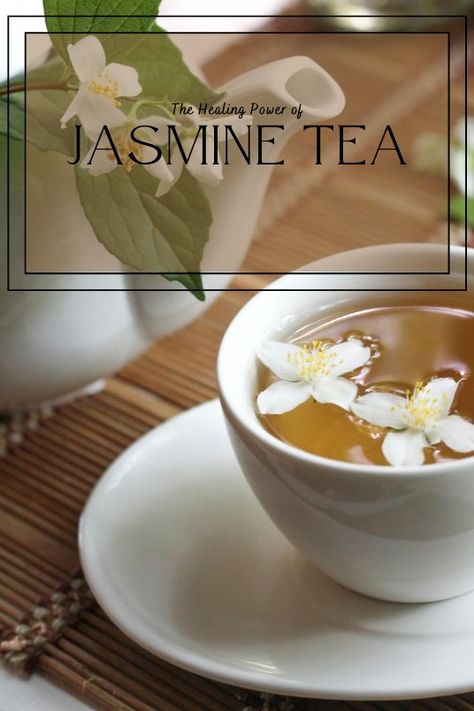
x=181 y=556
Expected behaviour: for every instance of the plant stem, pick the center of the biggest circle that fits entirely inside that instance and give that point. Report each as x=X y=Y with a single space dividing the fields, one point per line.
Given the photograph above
x=142 y=102
x=59 y=86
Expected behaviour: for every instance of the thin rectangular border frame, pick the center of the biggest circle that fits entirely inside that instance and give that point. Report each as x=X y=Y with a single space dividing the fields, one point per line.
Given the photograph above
x=236 y=274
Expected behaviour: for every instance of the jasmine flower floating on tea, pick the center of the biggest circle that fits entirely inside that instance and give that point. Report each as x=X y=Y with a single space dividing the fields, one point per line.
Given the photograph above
x=95 y=102
x=310 y=371
x=420 y=419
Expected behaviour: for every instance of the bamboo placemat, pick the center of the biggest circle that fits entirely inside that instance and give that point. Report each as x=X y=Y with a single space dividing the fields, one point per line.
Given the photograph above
x=50 y=622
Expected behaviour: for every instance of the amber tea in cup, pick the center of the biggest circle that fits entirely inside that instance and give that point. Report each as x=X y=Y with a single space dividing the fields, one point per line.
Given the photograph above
x=412 y=340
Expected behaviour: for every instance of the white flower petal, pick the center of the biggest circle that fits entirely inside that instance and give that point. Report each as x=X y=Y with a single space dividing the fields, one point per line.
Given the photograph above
x=432 y=433
x=380 y=408
x=87 y=57
x=176 y=168
x=72 y=108
x=338 y=391
x=280 y=358
x=103 y=162
x=443 y=390
x=209 y=174
x=95 y=112
x=160 y=169
x=126 y=78
x=350 y=355
x=159 y=122
x=282 y=396
x=404 y=449
x=457 y=433
x=148 y=155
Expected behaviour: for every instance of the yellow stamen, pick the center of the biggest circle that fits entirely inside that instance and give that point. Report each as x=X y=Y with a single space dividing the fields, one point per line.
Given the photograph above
x=419 y=409
x=124 y=145
x=313 y=362
x=105 y=86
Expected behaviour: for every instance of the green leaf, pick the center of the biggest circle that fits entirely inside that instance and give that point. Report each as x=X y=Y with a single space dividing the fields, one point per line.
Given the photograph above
x=162 y=71
x=43 y=128
x=51 y=71
x=16 y=116
x=44 y=111
x=165 y=235
x=97 y=16
x=458 y=213
x=161 y=236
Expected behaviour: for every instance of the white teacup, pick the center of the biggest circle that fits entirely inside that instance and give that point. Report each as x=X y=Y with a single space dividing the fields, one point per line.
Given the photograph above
x=399 y=534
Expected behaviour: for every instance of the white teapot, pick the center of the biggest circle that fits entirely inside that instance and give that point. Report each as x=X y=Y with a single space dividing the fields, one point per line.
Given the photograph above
x=55 y=342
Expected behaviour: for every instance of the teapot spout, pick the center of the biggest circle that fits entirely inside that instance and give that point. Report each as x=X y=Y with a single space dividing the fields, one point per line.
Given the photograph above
x=292 y=84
